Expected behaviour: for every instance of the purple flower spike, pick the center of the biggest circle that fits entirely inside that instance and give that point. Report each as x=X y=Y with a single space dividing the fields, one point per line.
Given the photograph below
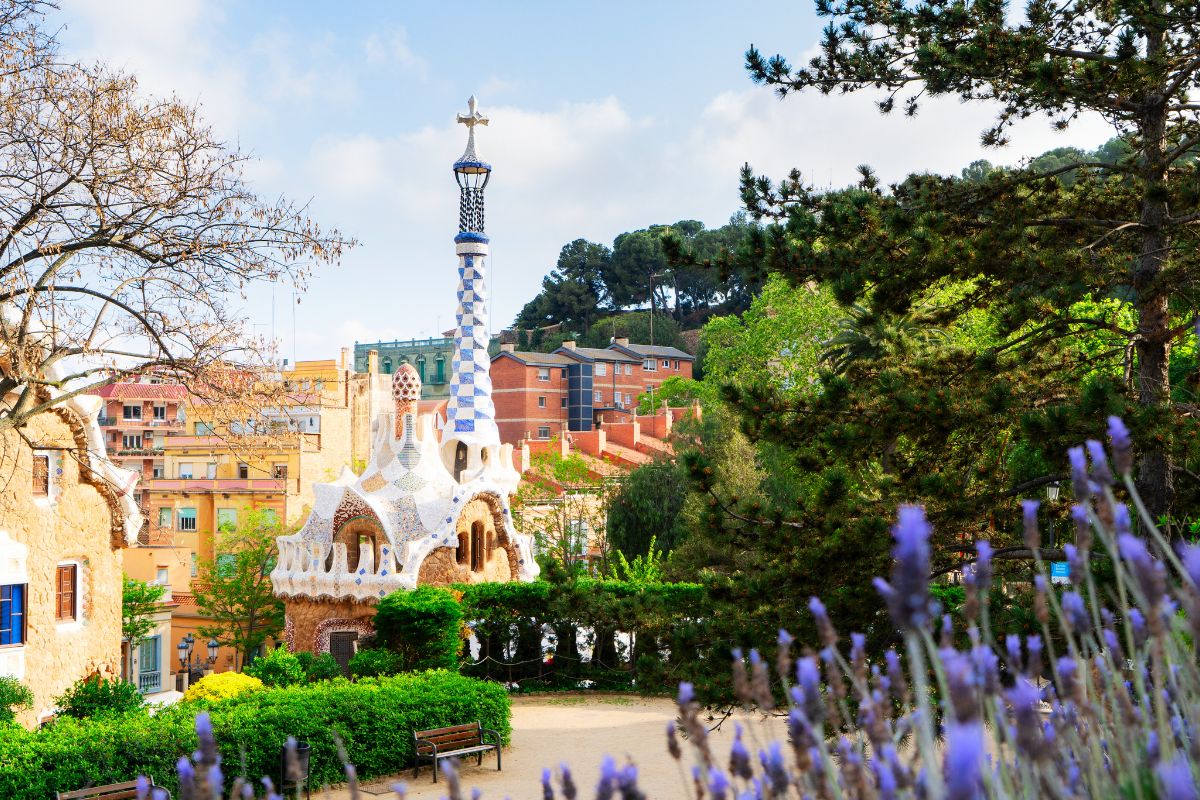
x=1189 y=556
x=1122 y=445
x=1100 y=471
x=1075 y=612
x=1075 y=559
x=1121 y=519
x=1029 y=520
x=1012 y=644
x=547 y=789
x=964 y=762
x=1079 y=475
x=687 y=693
x=1083 y=527
x=718 y=784
x=808 y=678
x=983 y=565
x=1137 y=624
x=907 y=595
x=1024 y=698
x=1175 y=780
x=568 y=783
x=1033 y=663
x=824 y=626
x=187 y=774
x=1149 y=572
x=739 y=756
x=143 y=787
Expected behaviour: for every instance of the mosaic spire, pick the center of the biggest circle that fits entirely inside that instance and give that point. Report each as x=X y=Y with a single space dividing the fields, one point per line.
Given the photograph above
x=470 y=414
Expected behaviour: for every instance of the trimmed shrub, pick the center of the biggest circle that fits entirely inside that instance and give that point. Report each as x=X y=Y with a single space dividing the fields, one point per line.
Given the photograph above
x=222 y=686
x=323 y=667
x=14 y=697
x=375 y=663
x=277 y=668
x=424 y=626
x=375 y=719
x=96 y=697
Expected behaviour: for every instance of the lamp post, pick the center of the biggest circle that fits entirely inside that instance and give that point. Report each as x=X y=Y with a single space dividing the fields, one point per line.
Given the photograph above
x=1051 y=496
x=185 y=647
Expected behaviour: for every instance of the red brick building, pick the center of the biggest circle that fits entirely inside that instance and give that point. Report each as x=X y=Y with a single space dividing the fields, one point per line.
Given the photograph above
x=542 y=395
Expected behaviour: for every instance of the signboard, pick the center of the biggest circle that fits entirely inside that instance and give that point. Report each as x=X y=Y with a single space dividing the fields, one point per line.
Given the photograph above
x=1060 y=572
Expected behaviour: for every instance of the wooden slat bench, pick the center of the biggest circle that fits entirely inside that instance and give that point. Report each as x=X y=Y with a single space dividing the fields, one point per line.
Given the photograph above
x=113 y=791
x=457 y=740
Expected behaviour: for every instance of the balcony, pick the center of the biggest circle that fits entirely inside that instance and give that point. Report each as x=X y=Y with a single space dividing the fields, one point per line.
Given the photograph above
x=149 y=682
x=141 y=451
x=305 y=569
x=146 y=422
x=217 y=485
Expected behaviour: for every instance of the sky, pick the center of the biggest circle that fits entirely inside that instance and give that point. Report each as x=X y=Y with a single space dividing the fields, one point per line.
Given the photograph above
x=605 y=117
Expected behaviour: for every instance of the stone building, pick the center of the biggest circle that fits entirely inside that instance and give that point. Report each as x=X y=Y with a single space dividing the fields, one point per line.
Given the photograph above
x=66 y=514
x=433 y=504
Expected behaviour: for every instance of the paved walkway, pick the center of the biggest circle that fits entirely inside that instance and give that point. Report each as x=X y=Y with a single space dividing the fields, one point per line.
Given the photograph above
x=578 y=730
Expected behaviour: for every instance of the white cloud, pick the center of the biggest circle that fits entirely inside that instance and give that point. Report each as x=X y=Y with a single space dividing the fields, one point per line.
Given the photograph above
x=392 y=47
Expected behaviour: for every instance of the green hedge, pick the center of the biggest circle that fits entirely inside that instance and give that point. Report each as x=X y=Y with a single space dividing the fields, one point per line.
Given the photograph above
x=374 y=717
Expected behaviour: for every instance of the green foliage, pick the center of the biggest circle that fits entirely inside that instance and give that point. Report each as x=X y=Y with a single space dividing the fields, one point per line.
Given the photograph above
x=375 y=662
x=646 y=568
x=96 y=697
x=375 y=719
x=139 y=601
x=277 y=668
x=14 y=697
x=777 y=342
x=323 y=667
x=423 y=626
x=634 y=326
x=647 y=507
x=676 y=392
x=234 y=588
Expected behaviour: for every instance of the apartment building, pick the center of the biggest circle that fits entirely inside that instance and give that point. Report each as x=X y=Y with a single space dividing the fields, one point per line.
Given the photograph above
x=542 y=395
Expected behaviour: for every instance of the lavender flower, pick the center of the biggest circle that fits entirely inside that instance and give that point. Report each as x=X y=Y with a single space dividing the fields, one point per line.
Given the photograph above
x=899 y=684
x=1122 y=445
x=1137 y=625
x=1012 y=644
x=783 y=654
x=718 y=784
x=983 y=565
x=824 y=626
x=776 y=770
x=1189 y=556
x=673 y=742
x=1100 y=471
x=1023 y=697
x=568 y=783
x=1079 y=475
x=547 y=789
x=964 y=762
x=1149 y=572
x=960 y=675
x=1175 y=780
x=687 y=694
x=1029 y=519
x=1075 y=612
x=907 y=595
x=607 y=785
x=741 y=683
x=739 y=756
x=807 y=692
x=1075 y=559
x=1033 y=663
x=1083 y=526
x=1121 y=520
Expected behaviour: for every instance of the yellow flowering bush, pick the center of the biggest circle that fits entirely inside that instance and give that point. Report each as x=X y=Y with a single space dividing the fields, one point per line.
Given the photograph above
x=222 y=686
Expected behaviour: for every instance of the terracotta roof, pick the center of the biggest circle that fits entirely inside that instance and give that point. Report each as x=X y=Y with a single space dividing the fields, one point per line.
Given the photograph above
x=142 y=391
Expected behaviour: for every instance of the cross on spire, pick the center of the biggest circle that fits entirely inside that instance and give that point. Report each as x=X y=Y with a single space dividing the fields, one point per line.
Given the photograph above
x=472 y=117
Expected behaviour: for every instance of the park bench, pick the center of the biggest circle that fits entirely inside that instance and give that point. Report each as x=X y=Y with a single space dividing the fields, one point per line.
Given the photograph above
x=452 y=742
x=113 y=791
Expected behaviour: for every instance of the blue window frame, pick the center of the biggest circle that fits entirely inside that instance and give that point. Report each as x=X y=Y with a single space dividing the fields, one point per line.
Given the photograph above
x=12 y=614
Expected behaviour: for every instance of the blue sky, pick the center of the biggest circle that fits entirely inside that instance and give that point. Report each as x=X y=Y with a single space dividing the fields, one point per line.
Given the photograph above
x=605 y=117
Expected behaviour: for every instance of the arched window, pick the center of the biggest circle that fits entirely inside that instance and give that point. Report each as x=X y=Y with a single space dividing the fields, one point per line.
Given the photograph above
x=387 y=366
x=421 y=368
x=477 y=547
x=463 y=554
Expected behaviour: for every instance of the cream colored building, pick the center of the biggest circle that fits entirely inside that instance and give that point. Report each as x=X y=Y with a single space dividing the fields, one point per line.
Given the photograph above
x=66 y=514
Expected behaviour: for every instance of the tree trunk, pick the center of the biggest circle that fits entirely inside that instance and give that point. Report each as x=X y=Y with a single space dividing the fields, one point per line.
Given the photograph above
x=1155 y=482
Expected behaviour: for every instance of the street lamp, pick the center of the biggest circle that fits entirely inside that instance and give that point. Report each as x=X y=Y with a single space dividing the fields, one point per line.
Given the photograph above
x=1052 y=491
x=1051 y=495
x=185 y=648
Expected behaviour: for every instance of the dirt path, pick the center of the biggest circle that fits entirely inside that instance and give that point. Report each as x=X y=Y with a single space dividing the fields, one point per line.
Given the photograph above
x=580 y=731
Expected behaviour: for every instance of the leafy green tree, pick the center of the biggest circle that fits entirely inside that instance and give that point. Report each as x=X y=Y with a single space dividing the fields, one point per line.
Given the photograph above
x=676 y=392
x=1031 y=247
x=647 y=507
x=14 y=697
x=234 y=589
x=277 y=668
x=139 y=601
x=423 y=626
x=776 y=342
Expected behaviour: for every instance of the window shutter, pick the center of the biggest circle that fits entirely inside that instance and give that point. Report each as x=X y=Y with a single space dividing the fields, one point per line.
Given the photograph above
x=64 y=601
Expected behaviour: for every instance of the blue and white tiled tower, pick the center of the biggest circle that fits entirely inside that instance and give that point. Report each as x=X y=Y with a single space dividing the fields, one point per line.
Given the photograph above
x=470 y=434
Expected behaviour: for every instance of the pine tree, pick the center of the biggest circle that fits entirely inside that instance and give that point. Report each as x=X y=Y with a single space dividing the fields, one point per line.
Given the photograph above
x=1032 y=246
